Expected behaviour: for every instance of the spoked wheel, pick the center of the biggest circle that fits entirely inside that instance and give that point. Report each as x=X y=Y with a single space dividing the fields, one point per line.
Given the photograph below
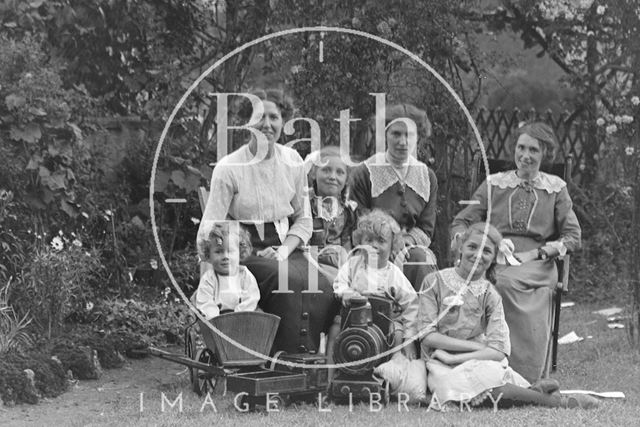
x=203 y=382
x=190 y=351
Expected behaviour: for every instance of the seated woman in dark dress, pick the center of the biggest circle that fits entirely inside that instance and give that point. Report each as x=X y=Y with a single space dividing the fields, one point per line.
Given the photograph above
x=396 y=182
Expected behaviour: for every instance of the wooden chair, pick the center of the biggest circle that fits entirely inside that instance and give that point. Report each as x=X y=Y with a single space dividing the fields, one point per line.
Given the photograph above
x=562 y=170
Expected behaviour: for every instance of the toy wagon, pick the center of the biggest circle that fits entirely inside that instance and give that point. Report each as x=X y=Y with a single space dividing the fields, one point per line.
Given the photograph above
x=245 y=373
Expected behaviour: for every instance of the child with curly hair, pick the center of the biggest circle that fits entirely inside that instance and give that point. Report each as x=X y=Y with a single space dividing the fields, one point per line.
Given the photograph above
x=229 y=286
x=369 y=272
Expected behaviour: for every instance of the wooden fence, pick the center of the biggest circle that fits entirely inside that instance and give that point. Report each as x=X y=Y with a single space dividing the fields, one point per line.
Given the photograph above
x=497 y=126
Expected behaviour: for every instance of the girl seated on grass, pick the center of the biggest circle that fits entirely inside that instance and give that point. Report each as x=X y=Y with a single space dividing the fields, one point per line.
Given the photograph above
x=368 y=271
x=466 y=339
x=229 y=286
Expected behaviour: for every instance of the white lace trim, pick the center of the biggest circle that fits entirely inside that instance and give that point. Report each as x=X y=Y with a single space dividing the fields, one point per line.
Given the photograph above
x=383 y=176
x=457 y=284
x=544 y=181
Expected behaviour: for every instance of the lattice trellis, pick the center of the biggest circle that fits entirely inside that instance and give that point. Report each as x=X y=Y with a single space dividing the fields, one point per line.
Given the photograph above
x=497 y=126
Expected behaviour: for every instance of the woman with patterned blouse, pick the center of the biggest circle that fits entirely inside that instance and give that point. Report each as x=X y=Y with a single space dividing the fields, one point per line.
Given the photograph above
x=396 y=182
x=534 y=212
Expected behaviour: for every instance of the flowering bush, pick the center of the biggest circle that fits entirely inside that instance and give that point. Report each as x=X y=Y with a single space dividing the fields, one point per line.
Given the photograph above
x=58 y=281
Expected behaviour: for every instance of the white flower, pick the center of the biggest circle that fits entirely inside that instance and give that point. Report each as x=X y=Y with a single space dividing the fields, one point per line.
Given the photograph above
x=611 y=129
x=195 y=220
x=86 y=215
x=77 y=243
x=600 y=121
x=57 y=244
x=296 y=69
x=627 y=119
x=108 y=212
x=635 y=100
x=629 y=151
x=617 y=119
x=89 y=306
x=600 y=10
x=154 y=264
x=60 y=233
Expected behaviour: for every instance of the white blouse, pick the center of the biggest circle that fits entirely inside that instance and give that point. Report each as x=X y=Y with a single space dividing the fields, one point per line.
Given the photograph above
x=271 y=190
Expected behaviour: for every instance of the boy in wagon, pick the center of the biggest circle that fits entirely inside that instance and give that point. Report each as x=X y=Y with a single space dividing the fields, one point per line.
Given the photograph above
x=229 y=286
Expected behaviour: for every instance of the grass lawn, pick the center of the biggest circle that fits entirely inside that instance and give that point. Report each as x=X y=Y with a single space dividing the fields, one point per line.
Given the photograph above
x=602 y=363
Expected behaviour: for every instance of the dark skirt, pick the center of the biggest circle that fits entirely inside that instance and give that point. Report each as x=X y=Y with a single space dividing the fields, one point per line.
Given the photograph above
x=303 y=314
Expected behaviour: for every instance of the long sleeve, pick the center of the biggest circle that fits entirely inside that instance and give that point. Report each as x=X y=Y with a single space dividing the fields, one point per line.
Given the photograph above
x=474 y=212
x=206 y=297
x=302 y=226
x=428 y=306
x=427 y=219
x=497 y=331
x=250 y=294
x=407 y=299
x=221 y=192
x=567 y=222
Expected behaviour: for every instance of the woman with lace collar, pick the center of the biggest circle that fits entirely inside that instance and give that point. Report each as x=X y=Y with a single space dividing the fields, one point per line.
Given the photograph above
x=534 y=212
x=396 y=182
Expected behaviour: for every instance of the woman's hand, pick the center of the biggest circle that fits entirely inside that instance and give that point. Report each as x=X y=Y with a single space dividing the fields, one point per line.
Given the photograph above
x=445 y=357
x=269 y=253
x=527 y=256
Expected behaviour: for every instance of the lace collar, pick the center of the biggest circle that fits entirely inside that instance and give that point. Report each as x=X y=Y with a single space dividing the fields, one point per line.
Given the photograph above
x=383 y=176
x=458 y=284
x=543 y=181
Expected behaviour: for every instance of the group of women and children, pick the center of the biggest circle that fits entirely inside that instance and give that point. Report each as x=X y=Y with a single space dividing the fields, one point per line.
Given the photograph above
x=482 y=327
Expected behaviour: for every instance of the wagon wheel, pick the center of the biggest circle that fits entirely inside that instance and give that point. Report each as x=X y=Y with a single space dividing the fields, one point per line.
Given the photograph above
x=279 y=402
x=190 y=351
x=204 y=382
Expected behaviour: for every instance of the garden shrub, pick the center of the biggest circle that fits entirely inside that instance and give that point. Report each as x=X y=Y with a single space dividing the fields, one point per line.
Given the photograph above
x=50 y=377
x=58 y=281
x=157 y=322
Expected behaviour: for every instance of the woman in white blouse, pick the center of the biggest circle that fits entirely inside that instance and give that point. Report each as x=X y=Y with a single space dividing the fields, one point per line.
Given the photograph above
x=263 y=186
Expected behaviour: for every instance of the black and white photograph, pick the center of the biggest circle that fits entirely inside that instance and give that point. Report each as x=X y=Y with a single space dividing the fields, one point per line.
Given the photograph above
x=319 y=212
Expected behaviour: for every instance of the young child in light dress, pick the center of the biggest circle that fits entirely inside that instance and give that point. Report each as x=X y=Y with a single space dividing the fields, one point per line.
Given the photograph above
x=369 y=271
x=465 y=338
x=229 y=286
